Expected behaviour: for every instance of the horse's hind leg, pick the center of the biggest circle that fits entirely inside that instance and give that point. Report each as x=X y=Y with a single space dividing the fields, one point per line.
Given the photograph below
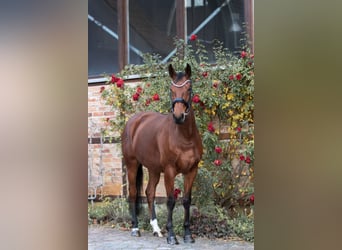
x=150 y=194
x=135 y=173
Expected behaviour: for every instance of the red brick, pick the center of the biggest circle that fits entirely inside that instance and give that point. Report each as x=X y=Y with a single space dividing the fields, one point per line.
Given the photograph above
x=104 y=108
x=107 y=160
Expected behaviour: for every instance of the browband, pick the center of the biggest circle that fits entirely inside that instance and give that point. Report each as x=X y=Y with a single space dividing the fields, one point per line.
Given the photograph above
x=179 y=86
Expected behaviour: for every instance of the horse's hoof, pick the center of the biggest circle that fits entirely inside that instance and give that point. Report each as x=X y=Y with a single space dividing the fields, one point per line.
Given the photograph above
x=188 y=239
x=158 y=234
x=135 y=233
x=172 y=240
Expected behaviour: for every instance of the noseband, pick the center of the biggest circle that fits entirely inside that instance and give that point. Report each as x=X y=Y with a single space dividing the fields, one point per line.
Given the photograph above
x=181 y=100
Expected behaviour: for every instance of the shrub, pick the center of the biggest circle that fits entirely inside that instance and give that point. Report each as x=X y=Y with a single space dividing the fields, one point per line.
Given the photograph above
x=115 y=210
x=243 y=227
x=223 y=102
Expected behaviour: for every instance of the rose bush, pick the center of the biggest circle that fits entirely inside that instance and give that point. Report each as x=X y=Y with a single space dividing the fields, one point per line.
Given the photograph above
x=223 y=102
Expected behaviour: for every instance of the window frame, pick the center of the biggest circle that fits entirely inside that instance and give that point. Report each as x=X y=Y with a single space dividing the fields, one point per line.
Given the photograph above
x=181 y=31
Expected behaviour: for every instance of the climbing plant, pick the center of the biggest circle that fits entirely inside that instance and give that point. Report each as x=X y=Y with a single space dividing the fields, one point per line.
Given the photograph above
x=223 y=102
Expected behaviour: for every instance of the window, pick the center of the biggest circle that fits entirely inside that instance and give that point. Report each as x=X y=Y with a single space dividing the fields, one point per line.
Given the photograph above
x=221 y=20
x=151 y=26
x=102 y=37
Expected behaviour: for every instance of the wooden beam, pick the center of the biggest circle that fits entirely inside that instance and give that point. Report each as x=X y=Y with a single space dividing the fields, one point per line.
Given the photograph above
x=249 y=17
x=181 y=19
x=123 y=33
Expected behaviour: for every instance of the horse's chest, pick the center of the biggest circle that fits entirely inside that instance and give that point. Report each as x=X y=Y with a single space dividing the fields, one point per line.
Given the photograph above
x=186 y=159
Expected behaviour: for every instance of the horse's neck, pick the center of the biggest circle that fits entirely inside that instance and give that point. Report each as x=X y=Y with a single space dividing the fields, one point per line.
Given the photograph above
x=188 y=128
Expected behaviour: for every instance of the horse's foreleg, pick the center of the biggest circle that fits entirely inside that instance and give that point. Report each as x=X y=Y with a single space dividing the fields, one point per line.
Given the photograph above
x=188 y=181
x=150 y=194
x=169 y=179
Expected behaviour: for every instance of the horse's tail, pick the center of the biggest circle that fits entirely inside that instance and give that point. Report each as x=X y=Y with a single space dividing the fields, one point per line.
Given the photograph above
x=139 y=185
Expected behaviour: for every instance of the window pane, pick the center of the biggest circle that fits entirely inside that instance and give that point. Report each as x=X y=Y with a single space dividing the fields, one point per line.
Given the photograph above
x=222 y=20
x=102 y=37
x=152 y=28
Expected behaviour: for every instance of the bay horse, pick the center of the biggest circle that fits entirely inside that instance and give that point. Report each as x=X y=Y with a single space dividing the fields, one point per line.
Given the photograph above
x=168 y=143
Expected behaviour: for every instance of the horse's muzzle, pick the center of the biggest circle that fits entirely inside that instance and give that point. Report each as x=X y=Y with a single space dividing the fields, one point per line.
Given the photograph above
x=180 y=119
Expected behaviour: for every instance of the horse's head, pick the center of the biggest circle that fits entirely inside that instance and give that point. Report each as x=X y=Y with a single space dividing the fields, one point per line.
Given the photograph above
x=181 y=93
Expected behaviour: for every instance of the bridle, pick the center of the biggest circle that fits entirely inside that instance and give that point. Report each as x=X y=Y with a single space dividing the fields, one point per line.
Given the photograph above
x=181 y=100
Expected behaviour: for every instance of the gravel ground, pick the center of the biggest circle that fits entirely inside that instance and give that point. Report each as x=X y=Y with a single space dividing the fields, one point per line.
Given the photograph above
x=105 y=237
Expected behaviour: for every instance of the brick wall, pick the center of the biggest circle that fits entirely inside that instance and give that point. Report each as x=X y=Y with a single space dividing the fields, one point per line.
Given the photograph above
x=105 y=170
x=104 y=159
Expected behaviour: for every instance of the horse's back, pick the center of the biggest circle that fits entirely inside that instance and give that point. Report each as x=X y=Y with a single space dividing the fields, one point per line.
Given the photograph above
x=144 y=121
x=140 y=135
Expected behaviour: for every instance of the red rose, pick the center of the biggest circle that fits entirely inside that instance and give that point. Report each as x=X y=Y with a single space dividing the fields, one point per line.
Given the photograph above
x=148 y=101
x=218 y=150
x=139 y=90
x=102 y=89
x=193 y=37
x=114 y=79
x=252 y=56
x=176 y=192
x=211 y=127
x=238 y=76
x=252 y=198
x=217 y=162
x=196 y=99
x=155 y=97
x=248 y=160
x=205 y=74
x=242 y=158
x=238 y=129
x=136 y=97
x=215 y=85
x=119 y=83
x=231 y=77
x=243 y=54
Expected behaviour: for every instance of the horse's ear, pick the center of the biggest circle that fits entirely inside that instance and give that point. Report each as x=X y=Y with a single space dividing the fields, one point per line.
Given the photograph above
x=172 y=72
x=188 y=71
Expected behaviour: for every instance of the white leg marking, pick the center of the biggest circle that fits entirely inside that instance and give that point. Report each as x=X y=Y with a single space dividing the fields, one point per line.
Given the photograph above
x=156 y=228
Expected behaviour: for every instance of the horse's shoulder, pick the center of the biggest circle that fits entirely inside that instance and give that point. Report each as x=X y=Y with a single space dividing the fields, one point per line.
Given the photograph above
x=148 y=119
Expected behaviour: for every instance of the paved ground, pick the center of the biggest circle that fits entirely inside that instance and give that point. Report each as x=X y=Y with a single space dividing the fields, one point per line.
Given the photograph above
x=104 y=237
